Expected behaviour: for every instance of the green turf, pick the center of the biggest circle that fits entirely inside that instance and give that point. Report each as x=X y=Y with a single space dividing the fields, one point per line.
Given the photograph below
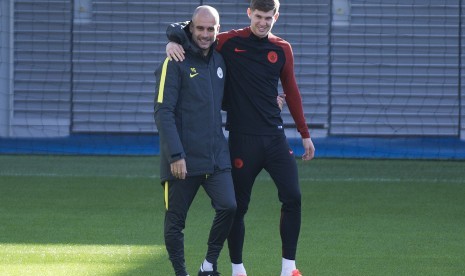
x=84 y=215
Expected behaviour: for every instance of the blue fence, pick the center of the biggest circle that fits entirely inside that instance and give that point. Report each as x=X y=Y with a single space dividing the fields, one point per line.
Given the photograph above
x=448 y=148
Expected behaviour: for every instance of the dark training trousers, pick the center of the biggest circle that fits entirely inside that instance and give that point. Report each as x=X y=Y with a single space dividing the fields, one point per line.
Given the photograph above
x=179 y=195
x=249 y=155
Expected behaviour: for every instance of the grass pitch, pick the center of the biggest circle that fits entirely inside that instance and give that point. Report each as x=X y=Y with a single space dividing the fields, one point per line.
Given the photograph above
x=84 y=215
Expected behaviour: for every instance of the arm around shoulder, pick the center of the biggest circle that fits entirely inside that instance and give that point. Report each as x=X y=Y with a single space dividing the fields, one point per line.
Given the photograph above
x=176 y=32
x=178 y=40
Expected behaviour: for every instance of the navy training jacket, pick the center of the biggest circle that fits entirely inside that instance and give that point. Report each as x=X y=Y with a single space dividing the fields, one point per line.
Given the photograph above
x=188 y=116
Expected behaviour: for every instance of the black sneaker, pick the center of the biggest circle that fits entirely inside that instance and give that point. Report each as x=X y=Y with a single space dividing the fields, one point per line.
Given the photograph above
x=208 y=273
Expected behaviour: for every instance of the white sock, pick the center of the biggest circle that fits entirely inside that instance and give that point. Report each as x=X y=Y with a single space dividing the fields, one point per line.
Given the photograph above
x=238 y=269
x=287 y=267
x=206 y=266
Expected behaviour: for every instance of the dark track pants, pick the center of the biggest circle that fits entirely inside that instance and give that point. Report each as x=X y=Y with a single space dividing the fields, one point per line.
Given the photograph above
x=249 y=155
x=179 y=195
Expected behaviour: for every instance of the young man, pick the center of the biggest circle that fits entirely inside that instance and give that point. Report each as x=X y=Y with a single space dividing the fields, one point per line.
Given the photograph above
x=256 y=61
x=193 y=148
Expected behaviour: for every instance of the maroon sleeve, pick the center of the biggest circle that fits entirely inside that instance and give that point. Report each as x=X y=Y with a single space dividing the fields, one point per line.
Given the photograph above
x=293 y=98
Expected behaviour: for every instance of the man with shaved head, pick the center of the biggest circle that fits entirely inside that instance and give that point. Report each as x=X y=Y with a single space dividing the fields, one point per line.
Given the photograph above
x=193 y=149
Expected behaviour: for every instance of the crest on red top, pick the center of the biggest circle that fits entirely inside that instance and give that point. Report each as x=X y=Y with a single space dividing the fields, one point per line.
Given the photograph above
x=272 y=56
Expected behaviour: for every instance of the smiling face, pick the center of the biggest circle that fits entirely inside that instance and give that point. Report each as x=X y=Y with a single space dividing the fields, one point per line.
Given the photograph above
x=204 y=28
x=261 y=22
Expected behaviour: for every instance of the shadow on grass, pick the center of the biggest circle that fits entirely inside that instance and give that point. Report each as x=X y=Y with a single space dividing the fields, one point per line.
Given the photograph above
x=85 y=211
x=48 y=214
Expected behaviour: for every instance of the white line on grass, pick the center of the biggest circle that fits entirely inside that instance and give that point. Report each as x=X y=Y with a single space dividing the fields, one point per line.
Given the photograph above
x=21 y=174
x=373 y=179
x=263 y=178
x=350 y=179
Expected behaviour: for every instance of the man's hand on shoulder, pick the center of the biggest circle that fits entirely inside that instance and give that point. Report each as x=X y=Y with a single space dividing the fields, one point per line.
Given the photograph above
x=175 y=51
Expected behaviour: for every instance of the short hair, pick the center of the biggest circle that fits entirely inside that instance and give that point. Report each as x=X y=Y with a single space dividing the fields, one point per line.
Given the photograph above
x=265 y=5
x=205 y=8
